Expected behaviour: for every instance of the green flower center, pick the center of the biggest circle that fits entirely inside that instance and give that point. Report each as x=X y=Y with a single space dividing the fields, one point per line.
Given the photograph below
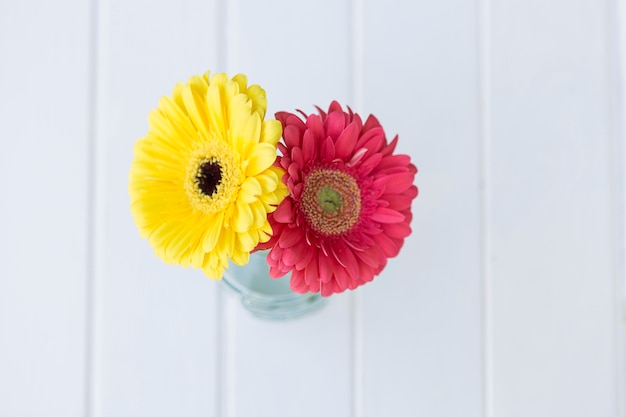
x=209 y=177
x=331 y=201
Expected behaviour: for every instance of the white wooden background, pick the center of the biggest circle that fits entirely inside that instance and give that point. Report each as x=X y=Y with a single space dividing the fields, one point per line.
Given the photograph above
x=507 y=300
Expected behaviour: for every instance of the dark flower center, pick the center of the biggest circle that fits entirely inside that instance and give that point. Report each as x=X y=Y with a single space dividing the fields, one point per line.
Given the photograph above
x=209 y=177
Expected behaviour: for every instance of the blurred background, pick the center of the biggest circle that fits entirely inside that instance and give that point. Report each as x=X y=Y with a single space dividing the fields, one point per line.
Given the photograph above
x=507 y=300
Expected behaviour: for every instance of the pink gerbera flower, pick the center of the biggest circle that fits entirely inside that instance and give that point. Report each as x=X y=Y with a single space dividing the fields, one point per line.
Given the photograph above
x=349 y=207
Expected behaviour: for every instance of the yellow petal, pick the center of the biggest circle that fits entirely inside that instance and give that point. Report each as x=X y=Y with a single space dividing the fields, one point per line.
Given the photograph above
x=226 y=244
x=211 y=268
x=239 y=119
x=215 y=112
x=241 y=258
x=265 y=232
x=193 y=104
x=181 y=242
x=213 y=232
x=258 y=213
x=178 y=119
x=207 y=76
x=231 y=89
x=242 y=218
x=270 y=201
x=198 y=84
x=177 y=95
x=167 y=123
x=246 y=241
x=268 y=181
x=271 y=131
x=262 y=158
x=258 y=98
x=242 y=81
x=249 y=191
x=250 y=136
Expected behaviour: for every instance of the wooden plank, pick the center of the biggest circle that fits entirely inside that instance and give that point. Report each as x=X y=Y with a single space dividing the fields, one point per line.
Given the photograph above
x=44 y=114
x=300 y=367
x=284 y=48
x=422 y=337
x=617 y=51
x=157 y=341
x=553 y=277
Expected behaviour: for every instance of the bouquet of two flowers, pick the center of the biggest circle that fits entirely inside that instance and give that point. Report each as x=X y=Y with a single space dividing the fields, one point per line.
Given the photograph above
x=323 y=194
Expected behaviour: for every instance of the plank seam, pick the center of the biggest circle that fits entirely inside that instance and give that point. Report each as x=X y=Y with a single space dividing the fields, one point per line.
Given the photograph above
x=226 y=344
x=95 y=215
x=484 y=158
x=616 y=41
x=356 y=97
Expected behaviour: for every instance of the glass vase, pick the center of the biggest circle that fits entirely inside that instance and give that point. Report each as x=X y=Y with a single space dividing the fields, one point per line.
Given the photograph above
x=266 y=297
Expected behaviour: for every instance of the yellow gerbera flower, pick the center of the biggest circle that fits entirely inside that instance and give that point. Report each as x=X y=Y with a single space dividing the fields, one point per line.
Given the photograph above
x=203 y=181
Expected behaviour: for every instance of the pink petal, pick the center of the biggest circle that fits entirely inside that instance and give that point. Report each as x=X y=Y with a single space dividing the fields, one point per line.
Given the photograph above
x=334 y=107
x=297 y=282
x=296 y=191
x=314 y=125
x=314 y=286
x=342 y=278
x=398 y=230
x=282 y=117
x=367 y=274
x=291 y=256
x=389 y=246
x=325 y=268
x=309 y=148
x=326 y=289
x=354 y=244
x=334 y=124
x=306 y=257
x=398 y=201
x=391 y=147
x=297 y=157
x=369 y=135
x=369 y=163
x=321 y=112
x=284 y=211
x=294 y=171
x=356 y=157
x=328 y=150
x=394 y=161
x=337 y=288
x=394 y=184
x=357 y=119
x=371 y=123
x=276 y=272
x=411 y=192
x=294 y=120
x=291 y=134
x=367 y=259
x=310 y=272
x=344 y=147
x=343 y=254
x=385 y=215
x=290 y=236
x=373 y=143
x=285 y=161
x=276 y=254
